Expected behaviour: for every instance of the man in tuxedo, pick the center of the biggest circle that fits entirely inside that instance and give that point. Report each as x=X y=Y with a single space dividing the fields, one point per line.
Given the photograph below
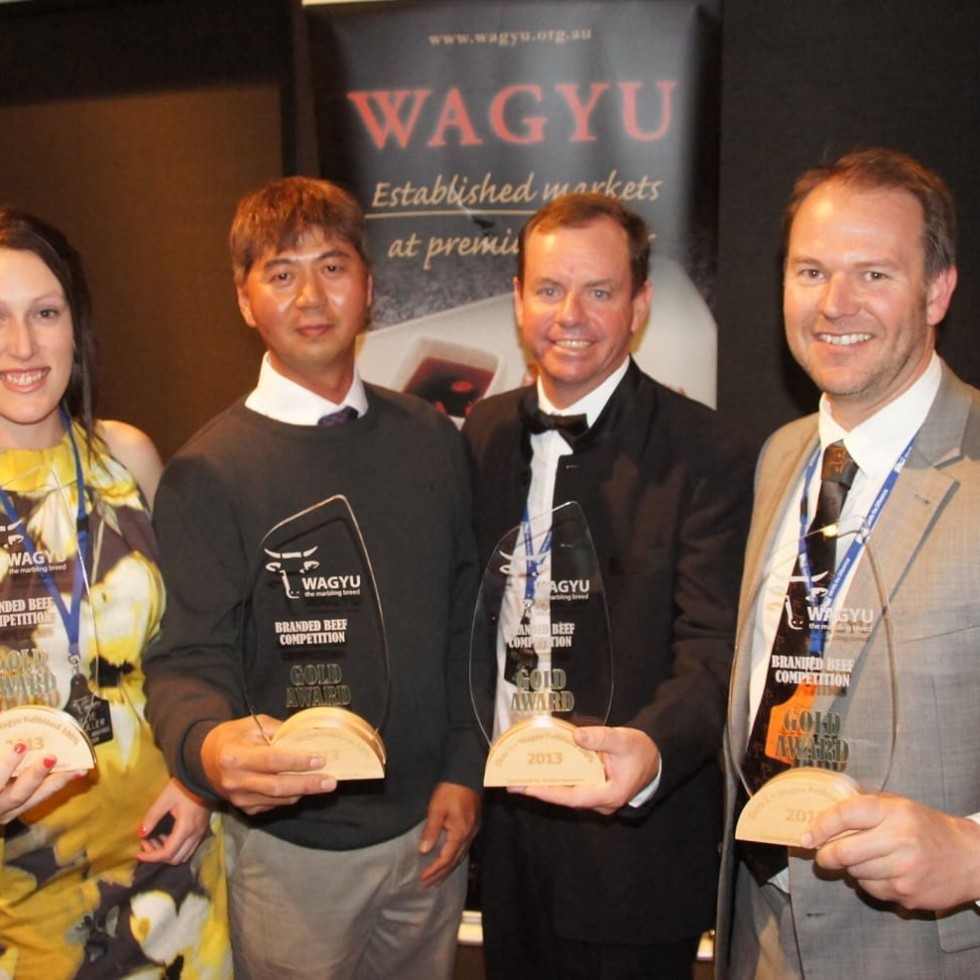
x=665 y=489
x=883 y=883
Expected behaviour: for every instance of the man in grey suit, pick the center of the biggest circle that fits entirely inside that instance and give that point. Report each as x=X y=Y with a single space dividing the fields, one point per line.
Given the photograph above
x=884 y=883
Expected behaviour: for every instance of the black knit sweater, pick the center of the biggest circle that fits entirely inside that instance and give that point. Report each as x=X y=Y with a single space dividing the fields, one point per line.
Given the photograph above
x=403 y=470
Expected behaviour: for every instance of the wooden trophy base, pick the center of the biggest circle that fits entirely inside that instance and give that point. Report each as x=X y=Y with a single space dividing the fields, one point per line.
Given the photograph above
x=539 y=751
x=47 y=731
x=349 y=746
x=782 y=809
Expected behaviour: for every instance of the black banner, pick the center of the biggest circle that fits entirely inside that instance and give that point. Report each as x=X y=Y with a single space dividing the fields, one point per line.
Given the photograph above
x=452 y=123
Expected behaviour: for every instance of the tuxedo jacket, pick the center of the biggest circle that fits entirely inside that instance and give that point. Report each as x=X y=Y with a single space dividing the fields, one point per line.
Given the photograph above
x=666 y=491
x=925 y=550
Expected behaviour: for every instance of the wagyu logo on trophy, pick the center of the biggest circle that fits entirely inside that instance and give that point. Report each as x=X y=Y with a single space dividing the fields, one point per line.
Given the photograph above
x=540 y=657
x=807 y=748
x=315 y=649
x=286 y=563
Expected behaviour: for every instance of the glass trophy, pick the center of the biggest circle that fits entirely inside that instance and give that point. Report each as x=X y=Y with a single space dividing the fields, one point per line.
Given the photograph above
x=315 y=649
x=46 y=701
x=540 y=653
x=811 y=749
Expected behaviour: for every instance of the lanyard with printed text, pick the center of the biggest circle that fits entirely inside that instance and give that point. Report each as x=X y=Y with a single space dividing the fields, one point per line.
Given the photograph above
x=70 y=616
x=822 y=604
x=533 y=560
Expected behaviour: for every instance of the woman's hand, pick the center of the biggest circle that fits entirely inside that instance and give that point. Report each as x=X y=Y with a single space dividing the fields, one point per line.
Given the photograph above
x=33 y=786
x=173 y=826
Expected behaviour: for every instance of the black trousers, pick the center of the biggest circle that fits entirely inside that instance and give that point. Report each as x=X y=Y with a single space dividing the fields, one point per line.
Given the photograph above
x=520 y=938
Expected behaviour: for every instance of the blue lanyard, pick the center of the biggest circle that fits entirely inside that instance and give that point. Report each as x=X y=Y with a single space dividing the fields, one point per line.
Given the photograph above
x=70 y=617
x=826 y=601
x=533 y=560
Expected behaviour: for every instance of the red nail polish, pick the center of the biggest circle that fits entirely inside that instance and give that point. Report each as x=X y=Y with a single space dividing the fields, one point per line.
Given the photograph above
x=20 y=748
x=49 y=761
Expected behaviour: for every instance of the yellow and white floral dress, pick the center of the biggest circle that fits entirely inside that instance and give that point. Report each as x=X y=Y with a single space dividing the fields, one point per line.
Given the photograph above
x=74 y=902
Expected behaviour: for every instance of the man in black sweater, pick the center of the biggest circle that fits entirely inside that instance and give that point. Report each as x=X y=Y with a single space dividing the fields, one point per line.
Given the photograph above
x=356 y=879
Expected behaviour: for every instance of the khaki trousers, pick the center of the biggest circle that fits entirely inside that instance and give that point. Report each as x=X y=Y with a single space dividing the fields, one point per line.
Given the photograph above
x=299 y=912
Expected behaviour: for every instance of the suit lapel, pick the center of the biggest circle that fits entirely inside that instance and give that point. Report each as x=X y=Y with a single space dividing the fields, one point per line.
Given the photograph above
x=920 y=493
x=770 y=505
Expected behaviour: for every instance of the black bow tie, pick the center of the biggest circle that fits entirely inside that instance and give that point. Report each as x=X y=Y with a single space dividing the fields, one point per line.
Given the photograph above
x=569 y=426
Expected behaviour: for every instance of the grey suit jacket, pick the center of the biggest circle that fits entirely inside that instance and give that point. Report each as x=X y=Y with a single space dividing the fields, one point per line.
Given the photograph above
x=926 y=549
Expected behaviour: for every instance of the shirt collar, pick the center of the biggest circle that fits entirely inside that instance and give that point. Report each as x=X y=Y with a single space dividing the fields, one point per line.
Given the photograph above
x=282 y=399
x=592 y=404
x=878 y=441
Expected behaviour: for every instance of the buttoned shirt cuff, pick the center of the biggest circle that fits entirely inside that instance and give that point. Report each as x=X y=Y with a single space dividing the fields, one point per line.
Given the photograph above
x=975 y=817
x=646 y=794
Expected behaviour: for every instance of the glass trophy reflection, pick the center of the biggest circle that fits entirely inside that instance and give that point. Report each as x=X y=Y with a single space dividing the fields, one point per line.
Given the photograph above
x=315 y=649
x=540 y=654
x=49 y=700
x=807 y=749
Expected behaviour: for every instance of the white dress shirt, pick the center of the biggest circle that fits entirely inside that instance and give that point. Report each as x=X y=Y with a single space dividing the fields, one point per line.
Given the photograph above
x=284 y=400
x=547 y=449
x=875 y=446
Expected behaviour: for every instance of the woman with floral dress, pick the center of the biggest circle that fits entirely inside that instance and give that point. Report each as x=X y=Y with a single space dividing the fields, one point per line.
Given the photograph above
x=111 y=871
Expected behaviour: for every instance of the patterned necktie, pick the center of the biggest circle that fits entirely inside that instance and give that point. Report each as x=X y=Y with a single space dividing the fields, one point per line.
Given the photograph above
x=836 y=476
x=762 y=761
x=340 y=417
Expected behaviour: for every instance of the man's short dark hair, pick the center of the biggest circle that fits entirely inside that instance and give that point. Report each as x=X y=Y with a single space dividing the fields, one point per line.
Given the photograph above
x=282 y=212
x=883 y=169
x=576 y=210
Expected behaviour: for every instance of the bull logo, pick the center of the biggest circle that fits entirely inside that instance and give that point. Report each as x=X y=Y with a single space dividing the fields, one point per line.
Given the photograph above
x=814 y=613
x=13 y=535
x=286 y=563
x=520 y=564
